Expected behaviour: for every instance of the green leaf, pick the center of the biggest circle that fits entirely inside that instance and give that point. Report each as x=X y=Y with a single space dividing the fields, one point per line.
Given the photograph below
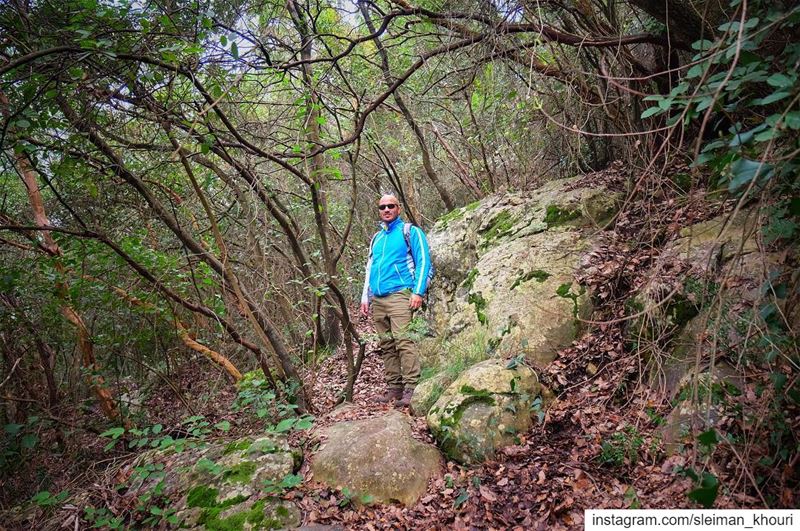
x=223 y=426
x=768 y=135
x=462 y=497
x=285 y=425
x=780 y=80
x=223 y=40
x=772 y=98
x=778 y=381
x=651 y=112
x=743 y=171
x=114 y=433
x=42 y=498
x=708 y=438
x=28 y=441
x=235 y=50
x=792 y=120
x=702 y=45
x=745 y=136
x=665 y=103
x=12 y=429
x=696 y=71
x=704 y=103
x=304 y=423
x=706 y=493
x=291 y=481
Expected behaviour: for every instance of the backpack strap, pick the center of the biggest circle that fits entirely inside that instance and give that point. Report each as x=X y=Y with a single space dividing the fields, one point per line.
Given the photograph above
x=407 y=234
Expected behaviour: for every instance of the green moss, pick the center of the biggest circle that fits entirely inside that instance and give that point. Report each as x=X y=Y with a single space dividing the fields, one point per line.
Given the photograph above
x=451 y=419
x=263 y=446
x=469 y=390
x=202 y=496
x=237 y=446
x=555 y=215
x=470 y=280
x=480 y=306
x=457 y=213
x=235 y=522
x=537 y=274
x=500 y=226
x=683 y=311
x=256 y=513
x=453 y=215
x=240 y=473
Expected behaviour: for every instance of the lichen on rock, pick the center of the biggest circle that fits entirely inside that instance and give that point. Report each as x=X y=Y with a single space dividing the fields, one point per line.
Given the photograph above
x=376 y=457
x=484 y=410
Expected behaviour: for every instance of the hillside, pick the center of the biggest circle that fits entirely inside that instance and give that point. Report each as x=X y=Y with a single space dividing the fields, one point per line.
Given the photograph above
x=189 y=198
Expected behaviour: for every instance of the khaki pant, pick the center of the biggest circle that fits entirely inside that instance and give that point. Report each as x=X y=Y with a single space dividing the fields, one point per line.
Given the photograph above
x=391 y=316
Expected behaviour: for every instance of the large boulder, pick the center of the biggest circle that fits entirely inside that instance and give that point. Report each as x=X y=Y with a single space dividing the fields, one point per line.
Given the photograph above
x=500 y=263
x=376 y=458
x=484 y=409
x=219 y=486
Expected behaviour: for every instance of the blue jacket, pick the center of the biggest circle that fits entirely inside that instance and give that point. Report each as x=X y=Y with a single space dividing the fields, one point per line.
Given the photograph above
x=391 y=268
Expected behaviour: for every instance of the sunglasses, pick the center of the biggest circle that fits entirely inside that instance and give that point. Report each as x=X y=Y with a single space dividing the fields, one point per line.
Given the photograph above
x=389 y=206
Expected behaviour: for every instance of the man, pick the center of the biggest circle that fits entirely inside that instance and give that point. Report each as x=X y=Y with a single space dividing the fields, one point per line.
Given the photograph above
x=396 y=280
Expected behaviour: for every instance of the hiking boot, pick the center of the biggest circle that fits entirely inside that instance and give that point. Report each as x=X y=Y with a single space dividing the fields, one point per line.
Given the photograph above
x=391 y=394
x=405 y=401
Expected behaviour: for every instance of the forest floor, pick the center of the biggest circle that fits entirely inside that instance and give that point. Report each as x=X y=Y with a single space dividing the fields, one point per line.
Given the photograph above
x=546 y=482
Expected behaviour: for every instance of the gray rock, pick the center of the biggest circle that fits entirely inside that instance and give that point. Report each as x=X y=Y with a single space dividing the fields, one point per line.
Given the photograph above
x=376 y=457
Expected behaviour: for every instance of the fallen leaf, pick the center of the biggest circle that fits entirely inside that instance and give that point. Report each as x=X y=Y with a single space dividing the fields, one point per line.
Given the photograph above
x=487 y=494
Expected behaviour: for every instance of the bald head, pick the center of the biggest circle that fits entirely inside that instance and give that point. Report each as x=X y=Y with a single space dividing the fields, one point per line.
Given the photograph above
x=388 y=208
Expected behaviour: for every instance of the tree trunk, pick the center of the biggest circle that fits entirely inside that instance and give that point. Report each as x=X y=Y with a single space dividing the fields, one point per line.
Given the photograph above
x=85 y=344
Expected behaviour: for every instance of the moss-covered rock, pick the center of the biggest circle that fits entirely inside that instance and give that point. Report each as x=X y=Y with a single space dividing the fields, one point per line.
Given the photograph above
x=218 y=486
x=500 y=263
x=376 y=457
x=483 y=410
x=428 y=392
x=702 y=400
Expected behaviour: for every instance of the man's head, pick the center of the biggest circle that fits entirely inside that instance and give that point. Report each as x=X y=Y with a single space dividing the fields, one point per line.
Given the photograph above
x=388 y=208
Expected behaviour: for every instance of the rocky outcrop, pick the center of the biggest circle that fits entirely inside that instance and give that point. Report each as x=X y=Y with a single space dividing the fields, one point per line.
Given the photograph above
x=506 y=264
x=703 y=400
x=376 y=458
x=219 y=486
x=483 y=410
x=706 y=286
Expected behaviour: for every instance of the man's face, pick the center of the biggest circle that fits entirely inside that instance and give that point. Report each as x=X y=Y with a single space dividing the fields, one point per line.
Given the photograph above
x=389 y=209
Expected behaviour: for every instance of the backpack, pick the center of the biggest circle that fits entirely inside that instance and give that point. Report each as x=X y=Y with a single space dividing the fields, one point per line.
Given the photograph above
x=409 y=258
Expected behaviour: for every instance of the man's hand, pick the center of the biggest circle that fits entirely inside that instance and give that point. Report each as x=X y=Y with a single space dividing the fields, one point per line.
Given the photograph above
x=415 y=302
x=364 y=309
